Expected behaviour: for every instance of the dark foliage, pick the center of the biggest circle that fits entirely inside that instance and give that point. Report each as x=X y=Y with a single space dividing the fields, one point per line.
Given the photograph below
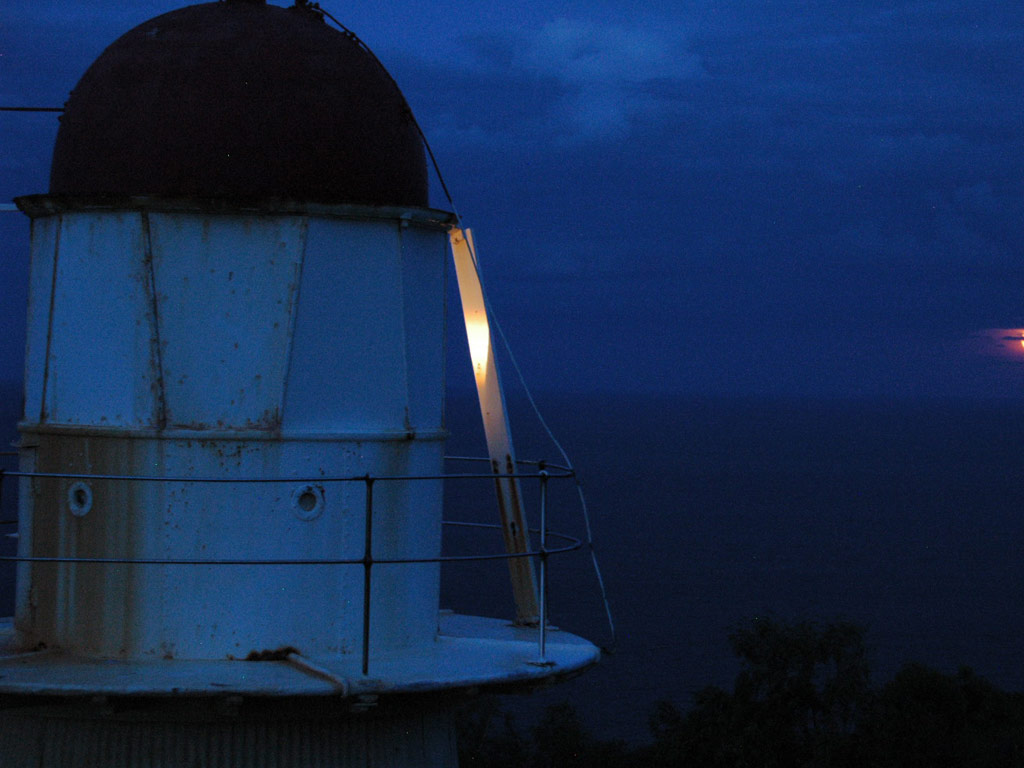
x=796 y=702
x=802 y=699
x=924 y=718
x=488 y=737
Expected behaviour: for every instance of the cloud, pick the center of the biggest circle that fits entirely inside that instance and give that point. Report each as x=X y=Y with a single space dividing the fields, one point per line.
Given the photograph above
x=603 y=70
x=566 y=82
x=586 y=52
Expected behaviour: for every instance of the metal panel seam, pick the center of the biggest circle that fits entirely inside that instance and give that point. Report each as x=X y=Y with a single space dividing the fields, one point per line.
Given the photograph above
x=176 y=433
x=156 y=352
x=49 y=321
x=293 y=312
x=399 y=227
x=38 y=206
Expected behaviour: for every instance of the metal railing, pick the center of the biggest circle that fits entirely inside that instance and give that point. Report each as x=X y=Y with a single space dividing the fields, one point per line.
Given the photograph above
x=543 y=474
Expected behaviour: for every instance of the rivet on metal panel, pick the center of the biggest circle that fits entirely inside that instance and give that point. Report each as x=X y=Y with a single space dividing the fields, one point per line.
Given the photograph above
x=308 y=502
x=79 y=498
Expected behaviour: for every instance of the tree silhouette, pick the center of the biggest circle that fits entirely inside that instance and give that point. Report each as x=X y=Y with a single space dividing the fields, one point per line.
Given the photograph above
x=796 y=701
x=802 y=699
x=923 y=718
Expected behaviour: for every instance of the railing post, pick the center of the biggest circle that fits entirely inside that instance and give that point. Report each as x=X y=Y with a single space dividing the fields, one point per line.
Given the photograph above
x=543 y=607
x=367 y=566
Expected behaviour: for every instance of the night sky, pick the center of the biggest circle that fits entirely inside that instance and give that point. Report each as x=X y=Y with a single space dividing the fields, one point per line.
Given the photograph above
x=792 y=198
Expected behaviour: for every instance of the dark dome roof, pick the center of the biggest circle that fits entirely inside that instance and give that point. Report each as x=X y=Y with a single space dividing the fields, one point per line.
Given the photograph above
x=239 y=100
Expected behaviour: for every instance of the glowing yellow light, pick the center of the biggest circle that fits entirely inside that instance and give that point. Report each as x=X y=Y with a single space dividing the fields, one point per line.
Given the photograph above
x=479 y=335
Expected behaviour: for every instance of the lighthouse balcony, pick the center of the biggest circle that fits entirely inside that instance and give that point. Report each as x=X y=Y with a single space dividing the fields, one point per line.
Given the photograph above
x=267 y=619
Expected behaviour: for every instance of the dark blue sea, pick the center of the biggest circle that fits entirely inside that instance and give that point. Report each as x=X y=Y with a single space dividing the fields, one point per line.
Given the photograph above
x=904 y=517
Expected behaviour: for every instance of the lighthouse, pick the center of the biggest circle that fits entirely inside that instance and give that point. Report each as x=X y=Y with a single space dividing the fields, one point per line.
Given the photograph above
x=232 y=451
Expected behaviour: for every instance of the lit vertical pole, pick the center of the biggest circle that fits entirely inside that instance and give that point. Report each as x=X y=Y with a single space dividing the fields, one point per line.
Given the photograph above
x=496 y=429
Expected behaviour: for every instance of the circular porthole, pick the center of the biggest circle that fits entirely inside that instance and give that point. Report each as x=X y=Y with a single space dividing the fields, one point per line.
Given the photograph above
x=79 y=499
x=308 y=502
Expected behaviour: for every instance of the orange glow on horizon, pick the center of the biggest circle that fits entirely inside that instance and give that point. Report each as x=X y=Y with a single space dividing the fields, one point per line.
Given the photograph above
x=1005 y=343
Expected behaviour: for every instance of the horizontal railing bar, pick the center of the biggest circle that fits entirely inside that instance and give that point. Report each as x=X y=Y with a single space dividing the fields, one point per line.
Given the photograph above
x=166 y=561
x=484 y=459
x=528 y=462
x=574 y=544
x=247 y=480
x=495 y=526
x=467 y=524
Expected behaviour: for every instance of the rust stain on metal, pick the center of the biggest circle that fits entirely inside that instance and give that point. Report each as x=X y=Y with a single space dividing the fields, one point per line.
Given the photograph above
x=269 y=419
x=65 y=609
x=277 y=654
